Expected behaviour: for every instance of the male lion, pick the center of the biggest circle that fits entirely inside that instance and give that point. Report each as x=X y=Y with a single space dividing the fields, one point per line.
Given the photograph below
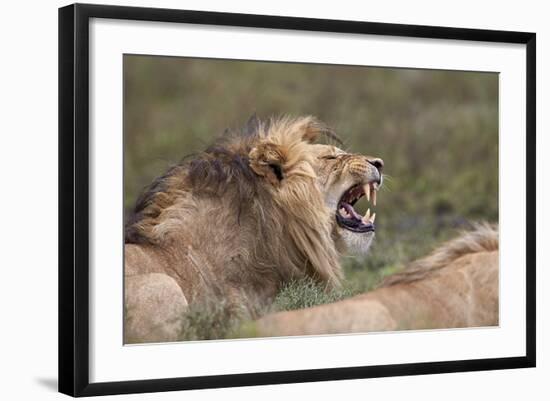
x=455 y=286
x=257 y=209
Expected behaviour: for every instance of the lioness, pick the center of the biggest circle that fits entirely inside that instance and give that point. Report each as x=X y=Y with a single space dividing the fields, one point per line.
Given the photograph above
x=455 y=286
x=257 y=209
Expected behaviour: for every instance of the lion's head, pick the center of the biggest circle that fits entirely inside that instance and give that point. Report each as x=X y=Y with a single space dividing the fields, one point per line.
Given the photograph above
x=267 y=197
x=287 y=155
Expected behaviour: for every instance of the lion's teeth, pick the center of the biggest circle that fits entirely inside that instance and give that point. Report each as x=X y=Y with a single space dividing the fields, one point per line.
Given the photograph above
x=372 y=217
x=366 y=217
x=366 y=188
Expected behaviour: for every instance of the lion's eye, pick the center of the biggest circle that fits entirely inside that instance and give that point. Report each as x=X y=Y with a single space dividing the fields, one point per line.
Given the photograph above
x=329 y=157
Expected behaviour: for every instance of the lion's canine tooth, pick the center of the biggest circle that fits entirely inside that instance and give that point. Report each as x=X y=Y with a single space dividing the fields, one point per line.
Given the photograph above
x=366 y=217
x=366 y=188
x=372 y=217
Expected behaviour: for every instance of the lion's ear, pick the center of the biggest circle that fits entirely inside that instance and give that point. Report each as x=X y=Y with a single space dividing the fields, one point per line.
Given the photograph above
x=311 y=128
x=267 y=160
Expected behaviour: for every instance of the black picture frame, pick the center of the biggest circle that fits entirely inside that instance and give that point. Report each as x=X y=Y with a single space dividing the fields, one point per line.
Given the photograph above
x=74 y=198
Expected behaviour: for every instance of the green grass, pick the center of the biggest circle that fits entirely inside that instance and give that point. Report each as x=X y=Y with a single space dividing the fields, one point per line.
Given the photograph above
x=211 y=320
x=437 y=132
x=306 y=293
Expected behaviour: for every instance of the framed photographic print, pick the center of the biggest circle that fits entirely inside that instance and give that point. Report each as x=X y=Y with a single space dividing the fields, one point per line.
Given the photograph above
x=250 y=199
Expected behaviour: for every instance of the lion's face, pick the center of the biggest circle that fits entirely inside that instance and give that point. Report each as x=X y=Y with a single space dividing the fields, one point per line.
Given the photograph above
x=344 y=178
x=288 y=159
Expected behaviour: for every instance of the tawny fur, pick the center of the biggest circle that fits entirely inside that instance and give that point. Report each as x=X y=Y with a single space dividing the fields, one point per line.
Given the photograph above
x=242 y=218
x=456 y=286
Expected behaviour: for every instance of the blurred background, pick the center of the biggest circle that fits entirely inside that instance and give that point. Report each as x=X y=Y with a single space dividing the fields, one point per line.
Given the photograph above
x=437 y=132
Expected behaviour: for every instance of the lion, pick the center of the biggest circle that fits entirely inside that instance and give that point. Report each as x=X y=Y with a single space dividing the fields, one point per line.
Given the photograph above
x=259 y=208
x=455 y=286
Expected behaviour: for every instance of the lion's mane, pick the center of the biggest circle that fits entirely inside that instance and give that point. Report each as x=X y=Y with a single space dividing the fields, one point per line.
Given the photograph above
x=239 y=219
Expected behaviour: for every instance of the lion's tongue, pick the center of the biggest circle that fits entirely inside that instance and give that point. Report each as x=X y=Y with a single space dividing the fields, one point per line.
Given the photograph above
x=351 y=211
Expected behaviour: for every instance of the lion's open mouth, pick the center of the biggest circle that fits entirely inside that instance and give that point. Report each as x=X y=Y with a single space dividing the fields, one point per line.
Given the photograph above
x=347 y=217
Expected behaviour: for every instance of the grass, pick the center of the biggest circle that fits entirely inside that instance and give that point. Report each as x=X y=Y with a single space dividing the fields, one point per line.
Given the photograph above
x=306 y=293
x=437 y=132
x=212 y=320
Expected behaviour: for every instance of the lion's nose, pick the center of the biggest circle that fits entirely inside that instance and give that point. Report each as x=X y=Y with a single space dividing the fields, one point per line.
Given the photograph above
x=376 y=162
